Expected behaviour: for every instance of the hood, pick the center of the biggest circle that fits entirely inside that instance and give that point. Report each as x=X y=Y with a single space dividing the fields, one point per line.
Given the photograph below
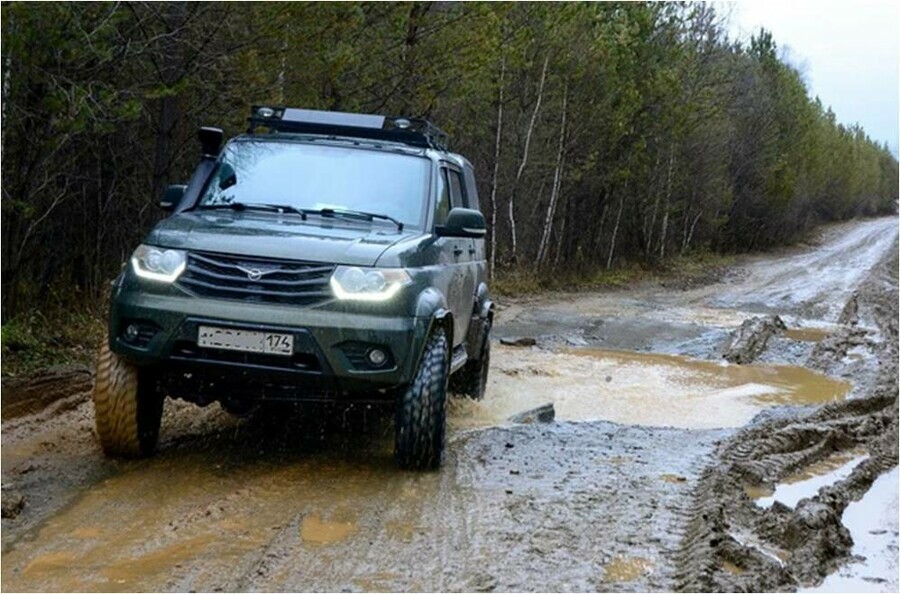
x=284 y=236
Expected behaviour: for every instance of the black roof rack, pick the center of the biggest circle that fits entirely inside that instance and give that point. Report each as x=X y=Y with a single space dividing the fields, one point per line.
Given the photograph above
x=411 y=131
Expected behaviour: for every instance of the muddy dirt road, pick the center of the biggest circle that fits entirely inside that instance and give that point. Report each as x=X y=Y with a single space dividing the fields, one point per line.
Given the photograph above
x=665 y=469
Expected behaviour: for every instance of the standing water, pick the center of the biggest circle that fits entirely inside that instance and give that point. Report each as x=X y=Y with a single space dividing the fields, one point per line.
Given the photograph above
x=639 y=388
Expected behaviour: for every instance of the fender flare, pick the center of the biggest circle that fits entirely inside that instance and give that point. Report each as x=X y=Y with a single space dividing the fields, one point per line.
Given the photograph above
x=431 y=307
x=484 y=304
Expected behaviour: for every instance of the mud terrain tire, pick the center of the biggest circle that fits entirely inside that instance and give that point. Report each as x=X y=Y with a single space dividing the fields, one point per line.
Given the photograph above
x=421 y=418
x=471 y=380
x=127 y=408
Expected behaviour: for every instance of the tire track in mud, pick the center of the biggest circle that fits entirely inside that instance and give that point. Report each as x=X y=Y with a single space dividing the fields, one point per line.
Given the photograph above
x=731 y=544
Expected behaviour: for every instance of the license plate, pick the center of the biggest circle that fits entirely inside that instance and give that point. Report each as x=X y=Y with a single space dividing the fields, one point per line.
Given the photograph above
x=248 y=341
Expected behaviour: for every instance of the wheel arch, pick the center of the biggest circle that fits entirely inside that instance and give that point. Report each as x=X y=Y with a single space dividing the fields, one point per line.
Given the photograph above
x=432 y=307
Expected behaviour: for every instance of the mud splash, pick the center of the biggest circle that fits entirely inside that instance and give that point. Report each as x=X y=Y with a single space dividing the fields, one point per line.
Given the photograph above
x=639 y=388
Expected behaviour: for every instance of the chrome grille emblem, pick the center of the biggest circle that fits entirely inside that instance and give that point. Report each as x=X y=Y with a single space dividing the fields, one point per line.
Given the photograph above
x=255 y=274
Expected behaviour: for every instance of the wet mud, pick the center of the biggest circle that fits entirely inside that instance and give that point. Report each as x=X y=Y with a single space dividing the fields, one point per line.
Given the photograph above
x=729 y=527
x=653 y=476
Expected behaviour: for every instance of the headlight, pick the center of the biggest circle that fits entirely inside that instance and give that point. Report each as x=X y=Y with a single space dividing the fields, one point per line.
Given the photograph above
x=373 y=284
x=157 y=263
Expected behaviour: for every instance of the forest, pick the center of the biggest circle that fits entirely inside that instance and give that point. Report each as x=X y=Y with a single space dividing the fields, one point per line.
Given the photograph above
x=603 y=134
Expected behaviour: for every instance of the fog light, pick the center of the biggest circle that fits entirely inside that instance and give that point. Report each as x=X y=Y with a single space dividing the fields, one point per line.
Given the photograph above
x=377 y=357
x=131 y=332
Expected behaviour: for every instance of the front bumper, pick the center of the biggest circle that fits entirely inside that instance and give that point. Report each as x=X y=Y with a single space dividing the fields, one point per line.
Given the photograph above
x=327 y=344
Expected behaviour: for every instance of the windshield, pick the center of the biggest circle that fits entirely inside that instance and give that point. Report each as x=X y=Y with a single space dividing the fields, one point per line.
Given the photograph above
x=307 y=176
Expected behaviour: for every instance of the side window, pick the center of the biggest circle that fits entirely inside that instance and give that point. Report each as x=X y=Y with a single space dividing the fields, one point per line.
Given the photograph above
x=456 y=189
x=442 y=206
x=471 y=188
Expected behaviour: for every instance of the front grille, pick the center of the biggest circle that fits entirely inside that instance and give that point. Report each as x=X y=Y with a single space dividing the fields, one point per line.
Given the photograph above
x=255 y=279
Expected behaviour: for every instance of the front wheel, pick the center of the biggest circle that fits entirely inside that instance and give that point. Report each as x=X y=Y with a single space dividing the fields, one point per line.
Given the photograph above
x=127 y=407
x=421 y=420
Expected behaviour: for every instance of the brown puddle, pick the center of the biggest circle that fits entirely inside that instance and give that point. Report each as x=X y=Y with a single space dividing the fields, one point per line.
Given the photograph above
x=315 y=530
x=627 y=569
x=49 y=562
x=807 y=481
x=807 y=334
x=132 y=571
x=758 y=491
x=824 y=466
x=639 y=388
x=733 y=568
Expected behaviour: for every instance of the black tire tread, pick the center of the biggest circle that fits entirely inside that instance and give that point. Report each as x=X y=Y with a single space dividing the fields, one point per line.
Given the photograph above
x=127 y=414
x=421 y=419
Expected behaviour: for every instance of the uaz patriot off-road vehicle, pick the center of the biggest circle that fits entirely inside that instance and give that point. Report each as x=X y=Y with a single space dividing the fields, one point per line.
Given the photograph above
x=321 y=256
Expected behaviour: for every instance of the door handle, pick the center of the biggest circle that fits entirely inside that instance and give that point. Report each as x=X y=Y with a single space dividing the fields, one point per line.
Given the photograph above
x=472 y=251
x=457 y=251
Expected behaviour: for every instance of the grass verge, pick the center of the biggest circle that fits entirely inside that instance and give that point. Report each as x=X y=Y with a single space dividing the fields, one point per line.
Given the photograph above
x=41 y=339
x=677 y=272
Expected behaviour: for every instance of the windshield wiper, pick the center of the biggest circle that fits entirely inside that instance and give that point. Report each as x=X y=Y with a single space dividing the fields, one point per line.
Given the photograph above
x=323 y=212
x=240 y=206
x=359 y=214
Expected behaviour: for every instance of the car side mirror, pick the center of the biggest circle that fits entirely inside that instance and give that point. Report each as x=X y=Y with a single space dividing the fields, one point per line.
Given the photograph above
x=210 y=141
x=227 y=176
x=172 y=196
x=462 y=222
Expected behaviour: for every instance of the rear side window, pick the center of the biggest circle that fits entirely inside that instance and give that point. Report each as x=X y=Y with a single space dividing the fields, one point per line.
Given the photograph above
x=442 y=205
x=457 y=198
x=471 y=189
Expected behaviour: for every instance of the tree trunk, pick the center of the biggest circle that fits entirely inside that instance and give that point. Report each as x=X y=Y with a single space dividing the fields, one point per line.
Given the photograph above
x=281 y=70
x=648 y=229
x=598 y=237
x=417 y=11
x=690 y=235
x=557 y=182
x=168 y=115
x=562 y=233
x=521 y=169
x=665 y=221
x=7 y=70
x=612 y=242
x=496 y=172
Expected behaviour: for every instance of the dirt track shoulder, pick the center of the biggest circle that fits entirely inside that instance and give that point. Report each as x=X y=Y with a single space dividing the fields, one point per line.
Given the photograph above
x=733 y=544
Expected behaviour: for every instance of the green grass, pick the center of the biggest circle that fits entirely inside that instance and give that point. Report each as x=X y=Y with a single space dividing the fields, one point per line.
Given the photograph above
x=697 y=263
x=38 y=340
x=689 y=269
x=528 y=282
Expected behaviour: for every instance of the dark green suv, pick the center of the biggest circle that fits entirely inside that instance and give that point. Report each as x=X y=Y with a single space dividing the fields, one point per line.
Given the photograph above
x=322 y=256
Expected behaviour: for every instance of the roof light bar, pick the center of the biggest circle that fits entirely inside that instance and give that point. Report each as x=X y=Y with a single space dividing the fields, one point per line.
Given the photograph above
x=410 y=131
